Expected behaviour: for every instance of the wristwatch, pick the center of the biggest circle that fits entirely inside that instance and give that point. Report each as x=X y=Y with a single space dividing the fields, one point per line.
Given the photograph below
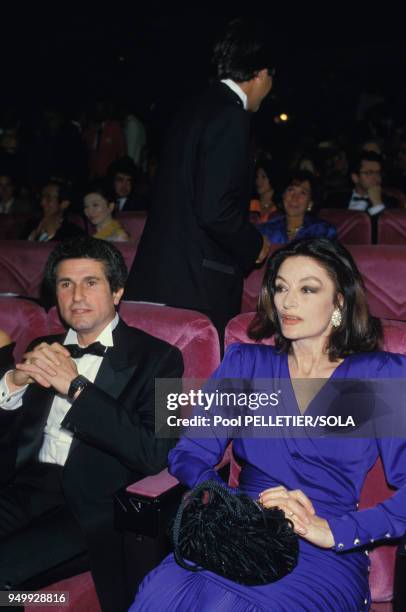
x=77 y=384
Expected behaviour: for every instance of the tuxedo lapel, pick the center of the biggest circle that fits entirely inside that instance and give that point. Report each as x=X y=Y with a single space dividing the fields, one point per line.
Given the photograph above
x=119 y=363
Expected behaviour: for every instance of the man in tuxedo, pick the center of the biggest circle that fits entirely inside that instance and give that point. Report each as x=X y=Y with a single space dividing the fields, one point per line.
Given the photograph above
x=366 y=176
x=80 y=409
x=198 y=242
x=122 y=174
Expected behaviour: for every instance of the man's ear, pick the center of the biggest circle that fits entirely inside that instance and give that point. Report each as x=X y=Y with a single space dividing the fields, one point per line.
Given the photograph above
x=355 y=178
x=117 y=295
x=263 y=74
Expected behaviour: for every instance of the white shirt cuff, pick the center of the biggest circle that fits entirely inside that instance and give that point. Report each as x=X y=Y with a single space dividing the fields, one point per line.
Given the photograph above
x=374 y=210
x=10 y=401
x=358 y=205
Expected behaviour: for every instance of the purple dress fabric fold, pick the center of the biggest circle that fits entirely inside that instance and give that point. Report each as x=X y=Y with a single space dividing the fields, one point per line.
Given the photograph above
x=330 y=471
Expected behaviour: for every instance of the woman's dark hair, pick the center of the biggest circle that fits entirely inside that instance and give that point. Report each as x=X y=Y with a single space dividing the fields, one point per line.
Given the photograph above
x=242 y=51
x=300 y=176
x=358 y=331
x=103 y=187
x=86 y=247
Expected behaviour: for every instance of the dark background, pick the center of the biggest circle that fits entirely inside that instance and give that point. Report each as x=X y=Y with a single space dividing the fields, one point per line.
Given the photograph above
x=152 y=54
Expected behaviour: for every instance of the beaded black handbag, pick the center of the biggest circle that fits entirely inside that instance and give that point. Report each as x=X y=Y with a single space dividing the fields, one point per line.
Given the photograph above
x=233 y=535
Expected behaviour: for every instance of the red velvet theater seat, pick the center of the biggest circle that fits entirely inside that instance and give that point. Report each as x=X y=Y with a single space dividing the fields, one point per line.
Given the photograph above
x=23 y=320
x=375 y=489
x=383 y=268
x=133 y=223
x=197 y=339
x=22 y=264
x=11 y=226
x=353 y=227
x=392 y=227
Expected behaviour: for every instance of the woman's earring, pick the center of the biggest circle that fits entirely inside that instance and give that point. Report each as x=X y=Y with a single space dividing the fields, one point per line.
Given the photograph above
x=336 y=318
x=309 y=207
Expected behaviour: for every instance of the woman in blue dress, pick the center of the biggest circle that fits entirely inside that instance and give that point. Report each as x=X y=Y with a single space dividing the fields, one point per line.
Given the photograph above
x=298 y=219
x=313 y=302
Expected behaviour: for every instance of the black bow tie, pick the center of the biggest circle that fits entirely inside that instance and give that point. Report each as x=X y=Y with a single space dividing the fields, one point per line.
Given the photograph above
x=356 y=198
x=96 y=348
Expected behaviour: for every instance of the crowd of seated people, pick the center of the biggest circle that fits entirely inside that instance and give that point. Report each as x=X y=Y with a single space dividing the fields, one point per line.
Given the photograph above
x=104 y=181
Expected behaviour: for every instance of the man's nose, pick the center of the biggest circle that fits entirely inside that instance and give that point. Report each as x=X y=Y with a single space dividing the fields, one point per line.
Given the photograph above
x=77 y=293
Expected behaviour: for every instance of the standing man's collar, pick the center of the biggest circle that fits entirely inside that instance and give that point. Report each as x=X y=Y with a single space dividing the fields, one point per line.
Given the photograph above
x=236 y=89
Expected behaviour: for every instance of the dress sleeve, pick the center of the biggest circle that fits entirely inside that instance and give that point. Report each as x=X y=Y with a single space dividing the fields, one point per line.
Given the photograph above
x=387 y=519
x=193 y=459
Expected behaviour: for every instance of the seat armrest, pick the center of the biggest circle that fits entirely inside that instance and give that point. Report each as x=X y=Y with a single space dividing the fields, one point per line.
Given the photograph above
x=153 y=486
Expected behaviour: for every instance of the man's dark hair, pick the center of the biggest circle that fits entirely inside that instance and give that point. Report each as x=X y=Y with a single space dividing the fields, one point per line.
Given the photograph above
x=86 y=247
x=356 y=163
x=358 y=331
x=123 y=165
x=242 y=51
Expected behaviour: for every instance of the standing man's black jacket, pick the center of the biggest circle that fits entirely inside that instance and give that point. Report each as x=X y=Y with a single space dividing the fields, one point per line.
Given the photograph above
x=198 y=242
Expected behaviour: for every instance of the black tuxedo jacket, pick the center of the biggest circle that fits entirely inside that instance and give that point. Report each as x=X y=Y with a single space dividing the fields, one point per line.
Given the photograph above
x=113 y=418
x=198 y=241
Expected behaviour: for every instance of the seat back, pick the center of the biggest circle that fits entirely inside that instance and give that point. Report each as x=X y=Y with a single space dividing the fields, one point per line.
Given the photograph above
x=353 y=227
x=22 y=264
x=133 y=223
x=23 y=320
x=383 y=268
x=191 y=332
x=392 y=227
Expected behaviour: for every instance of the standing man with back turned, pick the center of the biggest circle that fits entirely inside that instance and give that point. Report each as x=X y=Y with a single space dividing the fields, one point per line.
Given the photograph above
x=198 y=242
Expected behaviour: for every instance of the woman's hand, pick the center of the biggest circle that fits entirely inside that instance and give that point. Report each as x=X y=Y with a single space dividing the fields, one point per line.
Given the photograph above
x=299 y=509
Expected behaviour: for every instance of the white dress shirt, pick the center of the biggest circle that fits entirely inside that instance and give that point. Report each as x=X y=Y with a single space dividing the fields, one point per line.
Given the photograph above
x=236 y=89
x=361 y=203
x=57 y=440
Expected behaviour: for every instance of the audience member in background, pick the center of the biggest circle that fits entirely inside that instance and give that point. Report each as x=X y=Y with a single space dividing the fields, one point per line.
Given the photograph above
x=123 y=174
x=105 y=140
x=264 y=207
x=299 y=201
x=366 y=176
x=9 y=203
x=55 y=201
x=99 y=207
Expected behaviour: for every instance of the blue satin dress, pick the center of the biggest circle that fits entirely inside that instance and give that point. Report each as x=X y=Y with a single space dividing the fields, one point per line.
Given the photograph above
x=276 y=230
x=330 y=472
